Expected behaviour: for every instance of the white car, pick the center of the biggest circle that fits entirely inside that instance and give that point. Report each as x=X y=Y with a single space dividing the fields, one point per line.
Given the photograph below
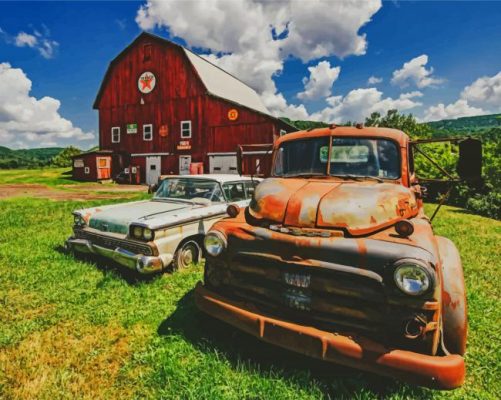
x=167 y=230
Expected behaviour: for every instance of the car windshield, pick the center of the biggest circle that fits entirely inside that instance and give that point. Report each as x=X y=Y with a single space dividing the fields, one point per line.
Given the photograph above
x=186 y=189
x=349 y=157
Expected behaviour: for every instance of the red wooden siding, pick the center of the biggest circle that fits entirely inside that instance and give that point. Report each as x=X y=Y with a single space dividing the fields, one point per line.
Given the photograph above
x=179 y=95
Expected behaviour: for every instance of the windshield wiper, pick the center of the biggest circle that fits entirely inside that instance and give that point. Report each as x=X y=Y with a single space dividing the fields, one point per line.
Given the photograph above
x=359 y=177
x=305 y=174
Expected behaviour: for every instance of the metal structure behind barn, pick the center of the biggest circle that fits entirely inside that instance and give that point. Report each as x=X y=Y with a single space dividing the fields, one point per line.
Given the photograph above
x=166 y=110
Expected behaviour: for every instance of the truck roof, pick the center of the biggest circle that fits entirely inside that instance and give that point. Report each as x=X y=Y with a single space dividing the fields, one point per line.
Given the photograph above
x=334 y=130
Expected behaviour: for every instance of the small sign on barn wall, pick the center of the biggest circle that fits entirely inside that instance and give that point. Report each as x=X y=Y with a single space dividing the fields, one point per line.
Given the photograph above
x=233 y=114
x=163 y=131
x=131 y=128
x=184 y=145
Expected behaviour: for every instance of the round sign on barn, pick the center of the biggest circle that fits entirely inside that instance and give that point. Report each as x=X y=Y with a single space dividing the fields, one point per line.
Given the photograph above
x=233 y=114
x=146 y=82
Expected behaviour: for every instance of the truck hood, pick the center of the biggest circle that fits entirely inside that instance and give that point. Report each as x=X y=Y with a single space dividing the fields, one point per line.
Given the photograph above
x=117 y=218
x=357 y=207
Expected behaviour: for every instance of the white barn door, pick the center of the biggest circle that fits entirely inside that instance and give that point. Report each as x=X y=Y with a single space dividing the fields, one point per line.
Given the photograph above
x=153 y=169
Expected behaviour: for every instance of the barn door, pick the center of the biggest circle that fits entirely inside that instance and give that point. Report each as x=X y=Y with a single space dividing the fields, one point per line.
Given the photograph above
x=184 y=165
x=223 y=164
x=153 y=169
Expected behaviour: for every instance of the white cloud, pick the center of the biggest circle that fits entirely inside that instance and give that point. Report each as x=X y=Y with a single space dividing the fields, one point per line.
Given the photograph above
x=252 y=38
x=28 y=121
x=483 y=96
x=414 y=71
x=319 y=83
x=460 y=108
x=38 y=41
x=360 y=103
x=277 y=105
x=25 y=39
x=374 y=80
x=485 y=91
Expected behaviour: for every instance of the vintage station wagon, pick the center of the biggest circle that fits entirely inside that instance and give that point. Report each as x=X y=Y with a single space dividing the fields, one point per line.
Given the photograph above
x=166 y=231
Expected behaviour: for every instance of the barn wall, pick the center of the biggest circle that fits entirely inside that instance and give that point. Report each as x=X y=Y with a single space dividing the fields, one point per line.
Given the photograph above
x=179 y=95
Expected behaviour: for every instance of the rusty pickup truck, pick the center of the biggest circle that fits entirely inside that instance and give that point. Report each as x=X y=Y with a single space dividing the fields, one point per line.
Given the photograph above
x=335 y=258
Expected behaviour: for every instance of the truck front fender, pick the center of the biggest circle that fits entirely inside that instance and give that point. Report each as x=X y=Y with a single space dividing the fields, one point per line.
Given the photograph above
x=454 y=312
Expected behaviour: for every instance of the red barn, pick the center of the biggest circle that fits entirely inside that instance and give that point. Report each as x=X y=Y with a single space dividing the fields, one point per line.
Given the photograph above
x=166 y=110
x=92 y=166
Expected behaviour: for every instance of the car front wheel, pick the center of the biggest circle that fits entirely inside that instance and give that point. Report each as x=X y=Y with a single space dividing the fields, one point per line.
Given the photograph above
x=187 y=254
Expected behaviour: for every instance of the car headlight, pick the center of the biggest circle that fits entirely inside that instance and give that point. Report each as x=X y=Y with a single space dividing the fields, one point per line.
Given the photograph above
x=137 y=232
x=78 y=220
x=214 y=243
x=412 y=278
x=147 y=234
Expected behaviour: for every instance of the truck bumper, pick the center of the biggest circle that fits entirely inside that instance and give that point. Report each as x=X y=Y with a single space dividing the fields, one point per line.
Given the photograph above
x=140 y=263
x=447 y=372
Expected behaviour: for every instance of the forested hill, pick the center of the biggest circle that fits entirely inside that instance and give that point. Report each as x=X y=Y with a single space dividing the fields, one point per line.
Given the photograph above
x=467 y=124
x=27 y=158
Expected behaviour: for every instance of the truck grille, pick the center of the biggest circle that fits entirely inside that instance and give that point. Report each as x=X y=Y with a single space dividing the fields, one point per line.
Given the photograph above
x=112 y=243
x=321 y=297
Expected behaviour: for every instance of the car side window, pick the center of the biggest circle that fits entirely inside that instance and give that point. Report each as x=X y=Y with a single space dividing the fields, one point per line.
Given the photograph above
x=250 y=188
x=234 y=191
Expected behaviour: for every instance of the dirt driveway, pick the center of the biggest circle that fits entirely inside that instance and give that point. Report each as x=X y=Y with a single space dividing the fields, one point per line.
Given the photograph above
x=70 y=192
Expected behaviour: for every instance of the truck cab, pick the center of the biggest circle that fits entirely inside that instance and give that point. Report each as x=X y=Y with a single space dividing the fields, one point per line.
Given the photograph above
x=335 y=258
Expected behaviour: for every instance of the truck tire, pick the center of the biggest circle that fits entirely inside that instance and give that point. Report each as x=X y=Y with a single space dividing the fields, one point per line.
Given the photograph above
x=454 y=309
x=187 y=253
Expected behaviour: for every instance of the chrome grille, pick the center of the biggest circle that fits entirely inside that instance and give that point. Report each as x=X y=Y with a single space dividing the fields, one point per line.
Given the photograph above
x=112 y=243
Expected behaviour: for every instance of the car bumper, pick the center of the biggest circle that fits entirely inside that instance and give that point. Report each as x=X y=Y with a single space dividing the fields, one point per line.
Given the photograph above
x=447 y=372
x=140 y=263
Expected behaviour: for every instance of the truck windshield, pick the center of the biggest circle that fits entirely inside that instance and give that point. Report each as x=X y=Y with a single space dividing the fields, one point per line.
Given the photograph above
x=189 y=189
x=349 y=156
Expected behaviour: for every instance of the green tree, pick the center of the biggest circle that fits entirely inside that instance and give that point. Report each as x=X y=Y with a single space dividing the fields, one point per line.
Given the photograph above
x=63 y=159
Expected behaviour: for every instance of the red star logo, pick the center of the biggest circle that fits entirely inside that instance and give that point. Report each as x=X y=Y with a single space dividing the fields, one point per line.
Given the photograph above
x=146 y=82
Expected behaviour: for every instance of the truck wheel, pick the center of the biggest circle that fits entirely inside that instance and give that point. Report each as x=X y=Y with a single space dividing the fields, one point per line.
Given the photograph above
x=187 y=253
x=454 y=316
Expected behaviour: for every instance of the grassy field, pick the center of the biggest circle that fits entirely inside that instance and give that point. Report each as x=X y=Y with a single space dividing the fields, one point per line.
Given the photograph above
x=79 y=329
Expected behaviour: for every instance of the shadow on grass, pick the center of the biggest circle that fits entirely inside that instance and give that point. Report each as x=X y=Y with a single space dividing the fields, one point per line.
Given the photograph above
x=247 y=352
x=105 y=265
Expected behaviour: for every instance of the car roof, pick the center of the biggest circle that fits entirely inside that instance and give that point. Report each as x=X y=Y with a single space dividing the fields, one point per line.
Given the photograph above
x=222 y=178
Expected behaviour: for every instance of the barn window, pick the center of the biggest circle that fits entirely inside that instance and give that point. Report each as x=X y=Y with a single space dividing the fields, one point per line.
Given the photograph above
x=148 y=132
x=115 y=134
x=147 y=52
x=185 y=129
x=78 y=163
x=87 y=170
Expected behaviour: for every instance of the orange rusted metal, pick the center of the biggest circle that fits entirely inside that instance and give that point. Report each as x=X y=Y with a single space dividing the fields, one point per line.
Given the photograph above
x=440 y=372
x=311 y=266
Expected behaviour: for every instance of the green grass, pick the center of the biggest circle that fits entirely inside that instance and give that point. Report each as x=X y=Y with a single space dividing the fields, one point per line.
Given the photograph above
x=75 y=328
x=42 y=176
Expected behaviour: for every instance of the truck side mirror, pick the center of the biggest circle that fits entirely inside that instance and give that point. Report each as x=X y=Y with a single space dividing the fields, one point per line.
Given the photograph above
x=469 y=166
x=152 y=188
x=240 y=168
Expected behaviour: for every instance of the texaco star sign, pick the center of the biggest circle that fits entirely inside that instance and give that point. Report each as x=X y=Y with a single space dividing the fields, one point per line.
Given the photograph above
x=146 y=82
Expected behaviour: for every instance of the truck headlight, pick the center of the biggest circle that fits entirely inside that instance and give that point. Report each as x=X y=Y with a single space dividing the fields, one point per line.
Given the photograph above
x=147 y=234
x=214 y=243
x=412 y=278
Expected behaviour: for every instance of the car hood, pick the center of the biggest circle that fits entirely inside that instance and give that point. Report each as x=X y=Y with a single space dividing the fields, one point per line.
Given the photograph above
x=153 y=214
x=357 y=207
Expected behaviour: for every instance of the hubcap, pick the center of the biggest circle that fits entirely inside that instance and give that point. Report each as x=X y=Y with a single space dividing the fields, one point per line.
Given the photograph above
x=188 y=255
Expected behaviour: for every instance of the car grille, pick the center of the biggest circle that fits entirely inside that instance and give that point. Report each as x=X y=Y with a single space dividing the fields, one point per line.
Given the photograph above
x=112 y=243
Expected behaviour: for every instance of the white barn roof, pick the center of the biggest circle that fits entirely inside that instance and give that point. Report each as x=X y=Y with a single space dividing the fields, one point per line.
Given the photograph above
x=222 y=84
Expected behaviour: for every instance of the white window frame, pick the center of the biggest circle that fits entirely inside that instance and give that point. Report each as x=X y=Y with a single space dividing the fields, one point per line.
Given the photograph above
x=183 y=136
x=87 y=170
x=151 y=132
x=113 y=136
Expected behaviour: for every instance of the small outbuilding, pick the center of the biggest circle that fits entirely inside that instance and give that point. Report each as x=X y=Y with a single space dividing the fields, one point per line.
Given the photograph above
x=92 y=166
x=166 y=110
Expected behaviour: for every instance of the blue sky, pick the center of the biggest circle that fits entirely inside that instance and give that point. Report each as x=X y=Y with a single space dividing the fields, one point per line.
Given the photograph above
x=456 y=48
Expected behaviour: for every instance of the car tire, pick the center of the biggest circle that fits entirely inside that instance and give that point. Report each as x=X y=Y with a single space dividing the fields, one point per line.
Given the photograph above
x=188 y=253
